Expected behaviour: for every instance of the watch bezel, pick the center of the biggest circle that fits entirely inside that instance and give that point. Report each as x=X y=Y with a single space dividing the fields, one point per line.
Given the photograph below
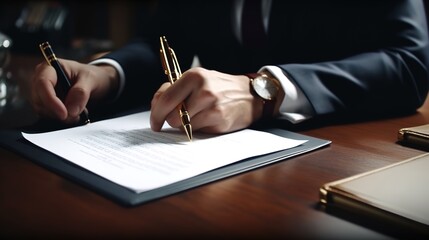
x=268 y=103
x=272 y=90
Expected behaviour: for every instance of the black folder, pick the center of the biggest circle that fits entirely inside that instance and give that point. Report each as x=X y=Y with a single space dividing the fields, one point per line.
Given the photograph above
x=14 y=141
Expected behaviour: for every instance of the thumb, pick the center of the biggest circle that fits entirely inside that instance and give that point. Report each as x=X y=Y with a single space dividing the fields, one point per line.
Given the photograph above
x=76 y=101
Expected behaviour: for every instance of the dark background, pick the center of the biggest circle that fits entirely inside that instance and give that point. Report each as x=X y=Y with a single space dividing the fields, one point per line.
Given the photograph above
x=88 y=26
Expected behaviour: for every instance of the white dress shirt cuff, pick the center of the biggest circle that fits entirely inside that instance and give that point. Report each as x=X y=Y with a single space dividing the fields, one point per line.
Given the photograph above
x=120 y=71
x=295 y=106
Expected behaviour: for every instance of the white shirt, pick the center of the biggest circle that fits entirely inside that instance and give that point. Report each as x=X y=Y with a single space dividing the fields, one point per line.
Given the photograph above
x=295 y=106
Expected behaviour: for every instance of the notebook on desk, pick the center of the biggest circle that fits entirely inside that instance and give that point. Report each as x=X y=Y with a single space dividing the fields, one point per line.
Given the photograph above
x=72 y=167
x=397 y=194
x=416 y=136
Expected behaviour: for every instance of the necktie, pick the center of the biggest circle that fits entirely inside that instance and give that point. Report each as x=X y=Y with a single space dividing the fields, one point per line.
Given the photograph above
x=252 y=28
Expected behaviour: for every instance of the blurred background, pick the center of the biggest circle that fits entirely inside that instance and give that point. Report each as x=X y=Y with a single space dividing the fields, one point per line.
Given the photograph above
x=75 y=28
x=78 y=30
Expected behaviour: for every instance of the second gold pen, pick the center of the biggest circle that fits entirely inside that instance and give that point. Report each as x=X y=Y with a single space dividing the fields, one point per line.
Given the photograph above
x=172 y=70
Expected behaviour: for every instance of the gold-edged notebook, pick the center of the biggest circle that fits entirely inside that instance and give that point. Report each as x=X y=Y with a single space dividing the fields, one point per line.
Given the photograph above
x=417 y=136
x=397 y=194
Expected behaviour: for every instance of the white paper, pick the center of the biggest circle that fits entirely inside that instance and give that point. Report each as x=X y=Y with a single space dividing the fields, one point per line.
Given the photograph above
x=126 y=151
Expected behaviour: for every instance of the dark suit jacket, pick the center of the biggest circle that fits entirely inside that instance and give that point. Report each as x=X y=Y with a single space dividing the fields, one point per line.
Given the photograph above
x=362 y=57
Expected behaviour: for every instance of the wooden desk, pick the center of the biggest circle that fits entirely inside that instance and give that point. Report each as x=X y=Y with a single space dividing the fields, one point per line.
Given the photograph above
x=276 y=200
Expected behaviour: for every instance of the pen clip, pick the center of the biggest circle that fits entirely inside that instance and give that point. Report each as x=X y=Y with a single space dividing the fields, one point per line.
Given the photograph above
x=169 y=61
x=47 y=52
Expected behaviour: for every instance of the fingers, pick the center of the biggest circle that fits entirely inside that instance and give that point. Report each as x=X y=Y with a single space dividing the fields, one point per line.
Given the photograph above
x=209 y=121
x=45 y=100
x=168 y=97
x=216 y=102
x=76 y=100
x=43 y=97
x=161 y=106
x=224 y=117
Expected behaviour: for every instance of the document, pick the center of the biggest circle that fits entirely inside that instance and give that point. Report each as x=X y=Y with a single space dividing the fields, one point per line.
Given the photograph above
x=127 y=152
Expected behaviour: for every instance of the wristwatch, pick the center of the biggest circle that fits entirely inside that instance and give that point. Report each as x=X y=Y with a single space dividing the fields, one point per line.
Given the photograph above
x=265 y=87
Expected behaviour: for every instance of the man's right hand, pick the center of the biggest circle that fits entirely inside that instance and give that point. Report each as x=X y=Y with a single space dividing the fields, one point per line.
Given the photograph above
x=90 y=84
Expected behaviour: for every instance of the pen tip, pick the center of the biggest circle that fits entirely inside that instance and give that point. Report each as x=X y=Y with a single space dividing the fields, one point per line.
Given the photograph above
x=85 y=117
x=188 y=130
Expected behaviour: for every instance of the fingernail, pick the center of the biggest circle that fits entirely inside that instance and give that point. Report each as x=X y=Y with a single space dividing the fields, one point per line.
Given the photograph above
x=74 y=110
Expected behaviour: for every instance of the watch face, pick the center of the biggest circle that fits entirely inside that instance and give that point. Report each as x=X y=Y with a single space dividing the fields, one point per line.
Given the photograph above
x=265 y=87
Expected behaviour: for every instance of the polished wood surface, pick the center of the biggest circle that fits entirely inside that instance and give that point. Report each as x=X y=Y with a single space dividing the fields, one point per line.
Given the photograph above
x=277 y=200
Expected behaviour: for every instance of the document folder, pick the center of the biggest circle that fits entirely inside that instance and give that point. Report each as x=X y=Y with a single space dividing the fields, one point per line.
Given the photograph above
x=397 y=195
x=13 y=140
x=416 y=136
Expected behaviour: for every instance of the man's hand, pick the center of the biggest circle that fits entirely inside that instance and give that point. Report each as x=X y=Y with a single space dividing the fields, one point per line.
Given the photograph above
x=217 y=102
x=89 y=82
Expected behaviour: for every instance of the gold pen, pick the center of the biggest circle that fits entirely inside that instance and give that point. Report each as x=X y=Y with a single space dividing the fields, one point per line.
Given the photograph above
x=172 y=70
x=63 y=81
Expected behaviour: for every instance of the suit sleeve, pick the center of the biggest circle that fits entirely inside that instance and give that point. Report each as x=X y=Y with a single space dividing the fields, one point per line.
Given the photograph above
x=391 y=77
x=140 y=59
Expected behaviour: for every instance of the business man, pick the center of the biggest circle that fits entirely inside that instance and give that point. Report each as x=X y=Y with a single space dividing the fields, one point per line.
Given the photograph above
x=323 y=57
